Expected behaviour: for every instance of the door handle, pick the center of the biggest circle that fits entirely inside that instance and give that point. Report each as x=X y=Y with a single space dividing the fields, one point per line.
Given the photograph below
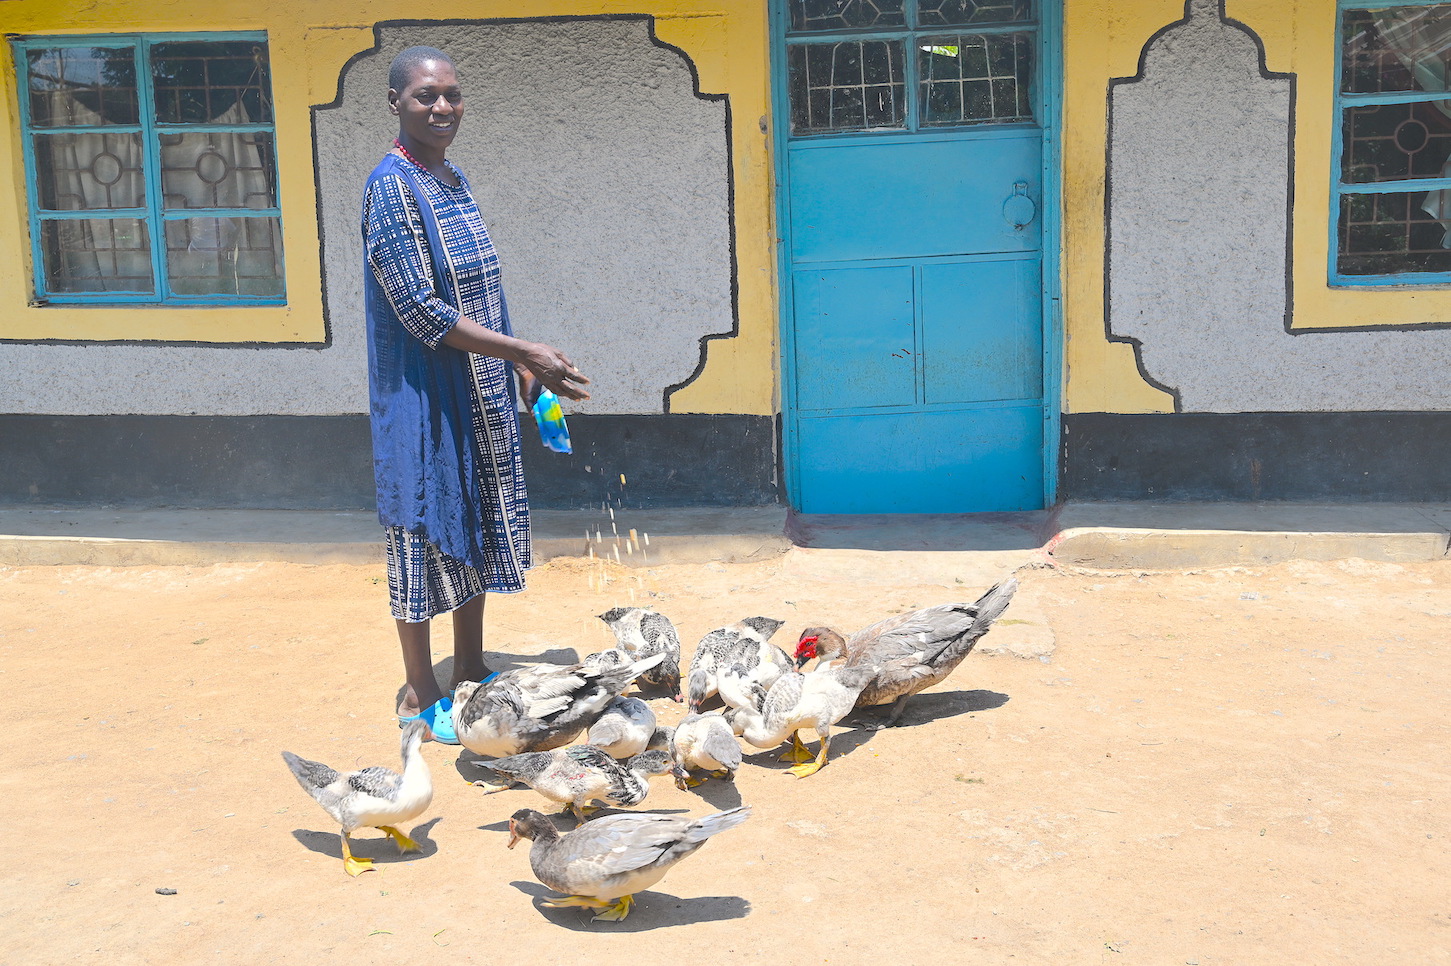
x=1019 y=210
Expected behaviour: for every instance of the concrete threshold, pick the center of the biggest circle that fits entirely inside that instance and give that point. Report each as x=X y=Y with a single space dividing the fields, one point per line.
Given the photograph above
x=117 y=537
x=973 y=547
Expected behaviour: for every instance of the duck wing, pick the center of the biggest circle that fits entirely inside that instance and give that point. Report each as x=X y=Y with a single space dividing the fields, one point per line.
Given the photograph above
x=721 y=745
x=377 y=781
x=619 y=845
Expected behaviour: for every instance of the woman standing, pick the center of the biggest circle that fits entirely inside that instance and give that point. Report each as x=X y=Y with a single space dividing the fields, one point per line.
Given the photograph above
x=446 y=457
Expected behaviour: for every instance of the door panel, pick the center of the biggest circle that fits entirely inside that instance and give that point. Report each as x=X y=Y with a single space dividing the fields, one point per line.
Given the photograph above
x=923 y=462
x=909 y=198
x=981 y=337
x=856 y=342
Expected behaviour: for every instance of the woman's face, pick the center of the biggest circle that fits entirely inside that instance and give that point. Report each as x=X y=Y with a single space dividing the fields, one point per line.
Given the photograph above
x=430 y=106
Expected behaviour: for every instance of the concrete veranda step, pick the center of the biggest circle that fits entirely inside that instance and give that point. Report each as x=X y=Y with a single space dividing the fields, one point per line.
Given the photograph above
x=1109 y=536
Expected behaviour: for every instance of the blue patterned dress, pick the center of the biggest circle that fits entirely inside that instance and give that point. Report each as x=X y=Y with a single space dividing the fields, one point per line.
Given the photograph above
x=446 y=455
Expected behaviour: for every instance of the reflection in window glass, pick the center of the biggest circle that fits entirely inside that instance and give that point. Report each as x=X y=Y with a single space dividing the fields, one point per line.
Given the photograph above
x=1390 y=142
x=209 y=82
x=224 y=256
x=1395 y=49
x=1385 y=234
x=850 y=86
x=958 y=13
x=97 y=255
x=205 y=170
x=845 y=14
x=976 y=78
x=82 y=85
x=89 y=172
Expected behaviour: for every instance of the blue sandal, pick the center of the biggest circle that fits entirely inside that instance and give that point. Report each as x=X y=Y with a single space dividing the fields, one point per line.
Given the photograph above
x=439 y=718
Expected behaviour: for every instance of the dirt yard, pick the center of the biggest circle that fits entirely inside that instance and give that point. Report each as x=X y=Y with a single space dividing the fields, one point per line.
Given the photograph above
x=1229 y=767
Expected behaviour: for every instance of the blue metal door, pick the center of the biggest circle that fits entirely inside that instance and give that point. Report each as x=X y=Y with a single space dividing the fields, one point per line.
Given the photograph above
x=913 y=312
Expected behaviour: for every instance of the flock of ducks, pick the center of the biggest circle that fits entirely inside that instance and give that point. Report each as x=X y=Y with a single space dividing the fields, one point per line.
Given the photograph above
x=525 y=720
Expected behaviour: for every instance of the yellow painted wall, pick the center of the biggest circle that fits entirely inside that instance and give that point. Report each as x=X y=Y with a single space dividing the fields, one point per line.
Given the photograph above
x=309 y=44
x=1103 y=41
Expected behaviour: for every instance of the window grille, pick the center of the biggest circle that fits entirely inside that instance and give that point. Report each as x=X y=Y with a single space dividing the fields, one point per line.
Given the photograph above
x=1391 y=179
x=151 y=168
x=907 y=65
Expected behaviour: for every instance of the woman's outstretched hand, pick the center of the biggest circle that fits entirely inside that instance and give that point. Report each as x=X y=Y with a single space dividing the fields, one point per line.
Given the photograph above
x=555 y=372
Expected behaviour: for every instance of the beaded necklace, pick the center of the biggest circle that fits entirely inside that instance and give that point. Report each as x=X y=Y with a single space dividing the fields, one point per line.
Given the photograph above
x=404 y=151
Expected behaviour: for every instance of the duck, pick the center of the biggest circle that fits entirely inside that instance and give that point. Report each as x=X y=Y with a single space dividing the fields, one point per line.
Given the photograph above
x=602 y=864
x=374 y=797
x=704 y=742
x=641 y=633
x=624 y=729
x=747 y=643
x=912 y=651
x=537 y=707
x=816 y=699
x=580 y=774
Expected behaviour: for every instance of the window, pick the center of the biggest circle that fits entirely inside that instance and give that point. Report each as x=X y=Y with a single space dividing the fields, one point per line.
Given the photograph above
x=908 y=65
x=1391 y=183
x=151 y=169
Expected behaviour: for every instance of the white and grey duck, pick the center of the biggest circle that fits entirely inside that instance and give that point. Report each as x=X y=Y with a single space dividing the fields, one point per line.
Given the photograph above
x=580 y=774
x=641 y=633
x=704 y=742
x=911 y=651
x=604 y=863
x=374 y=797
x=625 y=728
x=746 y=643
x=817 y=700
x=537 y=707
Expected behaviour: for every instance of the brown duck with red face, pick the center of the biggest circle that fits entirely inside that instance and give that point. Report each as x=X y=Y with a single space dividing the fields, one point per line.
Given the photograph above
x=911 y=651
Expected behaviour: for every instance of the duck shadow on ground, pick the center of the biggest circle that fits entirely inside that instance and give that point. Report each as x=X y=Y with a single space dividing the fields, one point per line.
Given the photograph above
x=382 y=850
x=652 y=910
x=861 y=726
x=719 y=793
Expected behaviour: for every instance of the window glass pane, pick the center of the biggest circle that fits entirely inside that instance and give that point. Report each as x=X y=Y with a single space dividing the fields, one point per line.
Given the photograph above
x=83 y=172
x=1394 y=142
x=1395 y=49
x=1386 y=234
x=224 y=256
x=955 y=13
x=852 y=86
x=217 y=170
x=82 y=85
x=976 y=78
x=846 y=14
x=96 y=255
x=200 y=82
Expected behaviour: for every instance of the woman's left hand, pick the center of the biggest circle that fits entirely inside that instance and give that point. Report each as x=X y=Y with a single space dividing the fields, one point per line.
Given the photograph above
x=553 y=368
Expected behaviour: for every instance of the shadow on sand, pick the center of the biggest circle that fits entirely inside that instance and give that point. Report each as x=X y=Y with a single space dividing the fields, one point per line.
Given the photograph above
x=653 y=910
x=381 y=850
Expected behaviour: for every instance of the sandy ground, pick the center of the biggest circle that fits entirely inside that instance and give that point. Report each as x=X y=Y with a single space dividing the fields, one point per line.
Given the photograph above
x=1245 y=766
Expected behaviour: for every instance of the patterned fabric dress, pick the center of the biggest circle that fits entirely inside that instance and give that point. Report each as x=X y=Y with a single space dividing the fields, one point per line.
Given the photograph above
x=407 y=275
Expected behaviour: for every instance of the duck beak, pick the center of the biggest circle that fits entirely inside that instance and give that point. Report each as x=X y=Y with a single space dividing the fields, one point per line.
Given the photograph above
x=513 y=834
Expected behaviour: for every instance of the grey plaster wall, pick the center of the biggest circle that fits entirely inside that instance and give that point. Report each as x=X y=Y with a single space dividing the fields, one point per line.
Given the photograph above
x=1199 y=190
x=605 y=181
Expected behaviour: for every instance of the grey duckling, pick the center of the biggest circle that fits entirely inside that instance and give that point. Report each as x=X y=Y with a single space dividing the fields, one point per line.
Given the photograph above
x=580 y=774
x=602 y=864
x=374 y=797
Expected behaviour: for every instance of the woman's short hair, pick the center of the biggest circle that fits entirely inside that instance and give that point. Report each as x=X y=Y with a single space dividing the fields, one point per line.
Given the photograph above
x=409 y=60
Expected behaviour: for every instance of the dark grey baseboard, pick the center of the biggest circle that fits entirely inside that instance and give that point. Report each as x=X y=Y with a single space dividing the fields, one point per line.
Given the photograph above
x=325 y=462
x=1324 y=457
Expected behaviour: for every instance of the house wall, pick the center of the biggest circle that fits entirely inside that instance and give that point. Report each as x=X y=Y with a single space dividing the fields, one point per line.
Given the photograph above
x=618 y=153
x=1196 y=244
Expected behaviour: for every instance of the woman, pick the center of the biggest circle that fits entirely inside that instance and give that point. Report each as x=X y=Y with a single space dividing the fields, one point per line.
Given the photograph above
x=445 y=429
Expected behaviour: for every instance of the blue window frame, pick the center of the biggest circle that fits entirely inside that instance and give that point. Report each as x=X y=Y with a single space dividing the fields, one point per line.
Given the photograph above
x=151 y=169
x=1391 y=174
